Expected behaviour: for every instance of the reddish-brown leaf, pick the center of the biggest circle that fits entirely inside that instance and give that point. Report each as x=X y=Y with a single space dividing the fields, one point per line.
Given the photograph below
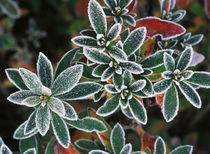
x=132 y=5
x=159 y=99
x=182 y=3
x=158 y=27
x=207 y=8
x=147 y=141
x=70 y=150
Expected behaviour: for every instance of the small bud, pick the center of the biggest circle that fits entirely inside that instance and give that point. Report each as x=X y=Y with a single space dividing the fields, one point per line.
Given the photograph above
x=46 y=91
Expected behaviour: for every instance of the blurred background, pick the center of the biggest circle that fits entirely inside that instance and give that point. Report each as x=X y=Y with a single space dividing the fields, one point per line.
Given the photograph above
x=30 y=26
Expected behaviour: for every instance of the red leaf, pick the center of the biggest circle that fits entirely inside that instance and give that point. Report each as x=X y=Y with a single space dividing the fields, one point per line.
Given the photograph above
x=207 y=8
x=147 y=142
x=82 y=6
x=182 y=3
x=159 y=99
x=132 y=5
x=156 y=26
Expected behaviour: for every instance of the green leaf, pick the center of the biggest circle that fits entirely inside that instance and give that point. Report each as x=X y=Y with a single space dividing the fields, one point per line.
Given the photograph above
x=14 y=76
x=10 y=8
x=124 y=3
x=87 y=72
x=109 y=107
x=88 y=32
x=127 y=78
x=155 y=60
x=60 y=130
x=65 y=61
x=111 y=89
x=178 y=15
x=195 y=39
x=118 y=81
x=29 y=143
x=50 y=146
x=56 y=105
x=130 y=20
x=138 y=85
x=30 y=124
x=124 y=34
x=170 y=103
x=148 y=89
x=97 y=17
x=32 y=101
x=85 y=144
x=98 y=70
x=162 y=86
x=160 y=147
x=201 y=79
x=114 y=32
x=185 y=59
x=19 y=96
x=31 y=80
x=117 y=138
x=43 y=117
x=97 y=57
x=138 y=111
x=107 y=74
x=5 y=150
x=85 y=41
x=134 y=40
x=67 y=80
x=190 y=94
x=30 y=151
x=169 y=62
x=133 y=67
x=44 y=70
x=88 y=124
x=98 y=152
x=118 y=54
x=185 y=149
x=111 y=3
x=127 y=149
x=70 y=112
x=108 y=12
x=19 y=132
x=82 y=91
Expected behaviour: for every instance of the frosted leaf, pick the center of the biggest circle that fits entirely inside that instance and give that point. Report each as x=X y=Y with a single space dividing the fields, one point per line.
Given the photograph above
x=110 y=89
x=118 y=81
x=201 y=79
x=117 y=138
x=190 y=94
x=44 y=70
x=148 y=89
x=114 y=32
x=19 y=132
x=170 y=103
x=185 y=59
x=98 y=152
x=98 y=70
x=31 y=80
x=46 y=91
x=10 y=8
x=127 y=149
x=70 y=112
x=32 y=101
x=67 y=80
x=97 y=17
x=107 y=74
x=138 y=85
x=19 y=96
x=109 y=107
x=30 y=124
x=194 y=40
x=43 y=117
x=14 y=76
x=169 y=62
x=160 y=147
x=129 y=20
x=111 y=3
x=138 y=111
x=5 y=150
x=197 y=59
x=82 y=91
x=134 y=40
x=162 y=86
x=126 y=111
x=85 y=41
x=124 y=3
x=88 y=124
x=155 y=60
x=133 y=67
x=86 y=144
x=60 y=130
x=187 y=74
x=97 y=57
x=56 y=105
x=167 y=75
x=184 y=149
x=117 y=54
x=30 y=151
